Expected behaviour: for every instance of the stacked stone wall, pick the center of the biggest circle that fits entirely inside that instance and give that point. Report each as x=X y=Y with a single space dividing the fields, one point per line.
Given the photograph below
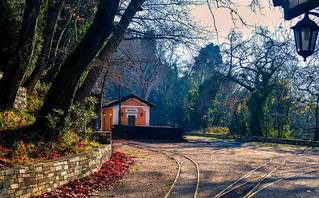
x=39 y=178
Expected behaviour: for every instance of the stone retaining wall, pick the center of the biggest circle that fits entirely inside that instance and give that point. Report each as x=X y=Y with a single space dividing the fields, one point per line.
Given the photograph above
x=21 y=99
x=39 y=178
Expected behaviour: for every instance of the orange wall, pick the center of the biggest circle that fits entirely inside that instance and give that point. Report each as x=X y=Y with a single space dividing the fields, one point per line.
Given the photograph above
x=107 y=119
x=108 y=115
x=132 y=102
x=139 y=120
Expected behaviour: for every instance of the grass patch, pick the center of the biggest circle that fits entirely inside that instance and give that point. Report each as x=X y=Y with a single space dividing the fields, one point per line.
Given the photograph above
x=282 y=145
x=134 y=169
x=136 y=154
x=261 y=143
x=213 y=138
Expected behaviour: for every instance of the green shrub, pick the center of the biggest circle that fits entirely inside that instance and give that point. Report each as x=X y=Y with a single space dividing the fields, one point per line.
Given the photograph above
x=78 y=121
x=13 y=120
x=23 y=153
x=215 y=130
x=36 y=98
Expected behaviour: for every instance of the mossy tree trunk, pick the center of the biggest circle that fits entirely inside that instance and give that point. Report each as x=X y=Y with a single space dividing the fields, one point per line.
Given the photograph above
x=61 y=92
x=257 y=103
x=255 y=107
x=54 y=10
x=15 y=71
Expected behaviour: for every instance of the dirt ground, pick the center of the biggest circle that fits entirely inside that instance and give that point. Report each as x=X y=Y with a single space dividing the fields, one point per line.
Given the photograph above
x=150 y=176
x=220 y=164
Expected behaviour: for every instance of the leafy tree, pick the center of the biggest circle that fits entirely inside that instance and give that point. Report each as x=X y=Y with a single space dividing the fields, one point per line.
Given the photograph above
x=254 y=64
x=74 y=20
x=306 y=81
x=239 y=123
x=279 y=107
x=199 y=102
x=11 y=17
x=63 y=87
x=228 y=97
x=169 y=97
x=207 y=61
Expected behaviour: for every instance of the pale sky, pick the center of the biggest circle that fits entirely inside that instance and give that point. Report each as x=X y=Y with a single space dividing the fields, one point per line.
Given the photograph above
x=271 y=16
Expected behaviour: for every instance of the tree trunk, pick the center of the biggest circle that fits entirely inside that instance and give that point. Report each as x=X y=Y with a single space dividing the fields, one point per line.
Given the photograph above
x=15 y=71
x=88 y=84
x=255 y=106
x=51 y=20
x=56 y=58
x=62 y=90
x=255 y=122
x=109 y=49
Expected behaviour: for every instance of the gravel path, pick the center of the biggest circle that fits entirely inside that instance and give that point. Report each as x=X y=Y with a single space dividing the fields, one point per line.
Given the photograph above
x=151 y=175
x=221 y=163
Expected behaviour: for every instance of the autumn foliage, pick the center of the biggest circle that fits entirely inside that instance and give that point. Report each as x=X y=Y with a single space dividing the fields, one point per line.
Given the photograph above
x=113 y=170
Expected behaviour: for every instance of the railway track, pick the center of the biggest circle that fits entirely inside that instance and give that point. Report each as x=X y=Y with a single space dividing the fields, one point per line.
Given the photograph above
x=184 y=184
x=250 y=182
x=270 y=180
x=253 y=182
x=285 y=175
x=248 y=185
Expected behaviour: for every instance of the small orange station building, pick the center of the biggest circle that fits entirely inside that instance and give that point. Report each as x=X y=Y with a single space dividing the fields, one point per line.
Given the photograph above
x=135 y=111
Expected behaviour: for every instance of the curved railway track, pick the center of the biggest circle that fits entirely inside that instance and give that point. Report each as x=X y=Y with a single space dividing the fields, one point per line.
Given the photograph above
x=248 y=188
x=248 y=185
x=174 y=155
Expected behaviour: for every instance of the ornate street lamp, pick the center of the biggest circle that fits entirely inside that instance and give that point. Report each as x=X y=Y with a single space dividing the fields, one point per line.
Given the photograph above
x=306 y=32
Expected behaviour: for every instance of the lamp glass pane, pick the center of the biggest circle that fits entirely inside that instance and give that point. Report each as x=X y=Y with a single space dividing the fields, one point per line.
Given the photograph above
x=305 y=38
x=313 y=40
x=297 y=39
x=294 y=3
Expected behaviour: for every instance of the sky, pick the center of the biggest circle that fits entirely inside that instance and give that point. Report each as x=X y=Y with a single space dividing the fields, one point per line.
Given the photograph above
x=271 y=16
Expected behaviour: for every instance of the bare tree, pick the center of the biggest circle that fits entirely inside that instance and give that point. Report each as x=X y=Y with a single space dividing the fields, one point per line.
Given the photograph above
x=166 y=21
x=255 y=64
x=307 y=82
x=108 y=50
